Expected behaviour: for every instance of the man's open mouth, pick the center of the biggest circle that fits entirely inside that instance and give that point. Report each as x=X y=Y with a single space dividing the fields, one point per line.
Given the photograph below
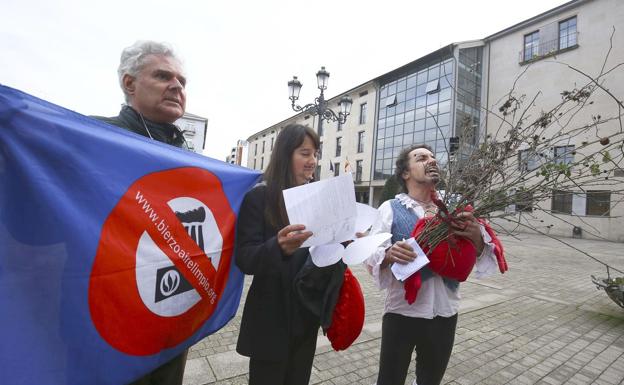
x=432 y=170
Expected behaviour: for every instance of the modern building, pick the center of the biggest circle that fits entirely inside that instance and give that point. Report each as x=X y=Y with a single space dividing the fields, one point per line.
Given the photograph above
x=539 y=58
x=453 y=90
x=426 y=101
x=260 y=147
x=238 y=155
x=194 y=129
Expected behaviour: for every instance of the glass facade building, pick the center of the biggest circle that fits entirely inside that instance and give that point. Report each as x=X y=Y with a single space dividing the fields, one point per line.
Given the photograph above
x=413 y=108
x=420 y=105
x=468 y=101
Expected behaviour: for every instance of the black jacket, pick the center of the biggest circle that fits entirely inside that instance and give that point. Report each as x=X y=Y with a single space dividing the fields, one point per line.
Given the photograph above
x=130 y=119
x=274 y=313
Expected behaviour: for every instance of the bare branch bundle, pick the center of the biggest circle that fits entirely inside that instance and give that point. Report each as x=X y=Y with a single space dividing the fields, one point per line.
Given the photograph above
x=536 y=155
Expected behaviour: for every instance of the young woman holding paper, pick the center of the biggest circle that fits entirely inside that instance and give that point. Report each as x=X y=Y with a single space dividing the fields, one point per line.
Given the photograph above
x=277 y=330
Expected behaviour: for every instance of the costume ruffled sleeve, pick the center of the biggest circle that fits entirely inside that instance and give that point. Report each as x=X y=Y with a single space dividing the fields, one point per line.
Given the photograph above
x=382 y=277
x=486 y=262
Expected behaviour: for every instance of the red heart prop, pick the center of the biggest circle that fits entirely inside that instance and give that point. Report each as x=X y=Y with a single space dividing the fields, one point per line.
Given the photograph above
x=348 y=316
x=450 y=261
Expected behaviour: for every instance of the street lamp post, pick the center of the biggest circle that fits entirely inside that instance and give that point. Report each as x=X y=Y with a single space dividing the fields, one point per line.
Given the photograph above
x=319 y=107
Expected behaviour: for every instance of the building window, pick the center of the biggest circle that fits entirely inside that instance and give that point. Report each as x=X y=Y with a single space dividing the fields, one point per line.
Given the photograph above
x=263 y=143
x=256 y=150
x=433 y=86
x=527 y=161
x=407 y=114
x=320 y=151
x=317 y=173
x=362 y=196
x=598 y=203
x=255 y=163
x=189 y=130
x=564 y=154
x=336 y=169
x=567 y=33
x=358 y=170
x=561 y=202
x=524 y=201
x=363 y=113
x=262 y=163
x=272 y=140
x=360 y=142
x=338 y=146
x=531 y=45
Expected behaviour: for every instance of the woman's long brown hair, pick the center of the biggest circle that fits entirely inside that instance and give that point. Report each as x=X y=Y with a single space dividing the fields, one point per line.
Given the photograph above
x=278 y=175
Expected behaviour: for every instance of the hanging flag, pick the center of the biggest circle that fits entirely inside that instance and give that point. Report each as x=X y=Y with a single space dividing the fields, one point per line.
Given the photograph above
x=115 y=250
x=347 y=165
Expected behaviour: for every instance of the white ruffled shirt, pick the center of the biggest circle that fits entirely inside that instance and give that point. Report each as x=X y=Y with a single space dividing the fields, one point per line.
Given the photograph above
x=434 y=297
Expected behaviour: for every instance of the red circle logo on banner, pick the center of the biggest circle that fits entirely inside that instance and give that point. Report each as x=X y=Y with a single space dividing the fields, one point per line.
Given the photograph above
x=163 y=260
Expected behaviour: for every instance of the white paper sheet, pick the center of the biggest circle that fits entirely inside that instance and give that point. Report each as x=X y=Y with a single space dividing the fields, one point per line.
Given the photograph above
x=360 y=249
x=326 y=208
x=325 y=255
x=403 y=271
x=366 y=216
x=356 y=252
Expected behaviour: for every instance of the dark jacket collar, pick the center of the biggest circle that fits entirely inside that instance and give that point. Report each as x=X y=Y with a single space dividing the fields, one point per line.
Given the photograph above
x=162 y=132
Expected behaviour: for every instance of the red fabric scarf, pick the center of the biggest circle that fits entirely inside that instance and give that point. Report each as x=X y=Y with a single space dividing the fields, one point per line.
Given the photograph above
x=453 y=257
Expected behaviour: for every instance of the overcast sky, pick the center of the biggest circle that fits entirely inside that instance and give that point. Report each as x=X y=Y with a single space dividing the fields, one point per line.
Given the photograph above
x=238 y=55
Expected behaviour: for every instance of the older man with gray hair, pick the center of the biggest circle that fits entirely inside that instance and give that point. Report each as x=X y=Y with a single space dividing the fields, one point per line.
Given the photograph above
x=152 y=80
x=153 y=83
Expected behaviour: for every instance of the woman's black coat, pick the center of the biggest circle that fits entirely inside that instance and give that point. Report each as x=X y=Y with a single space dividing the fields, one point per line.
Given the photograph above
x=272 y=316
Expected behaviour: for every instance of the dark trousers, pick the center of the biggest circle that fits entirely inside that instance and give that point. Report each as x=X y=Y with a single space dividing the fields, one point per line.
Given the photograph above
x=169 y=373
x=431 y=338
x=294 y=371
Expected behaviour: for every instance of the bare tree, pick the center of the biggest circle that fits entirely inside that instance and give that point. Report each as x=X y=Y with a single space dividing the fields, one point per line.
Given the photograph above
x=537 y=155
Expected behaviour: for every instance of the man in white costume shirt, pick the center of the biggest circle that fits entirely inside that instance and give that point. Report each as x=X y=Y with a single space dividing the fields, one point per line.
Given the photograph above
x=428 y=324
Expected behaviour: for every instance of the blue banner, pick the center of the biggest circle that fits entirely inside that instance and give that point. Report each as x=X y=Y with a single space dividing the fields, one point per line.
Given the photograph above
x=116 y=251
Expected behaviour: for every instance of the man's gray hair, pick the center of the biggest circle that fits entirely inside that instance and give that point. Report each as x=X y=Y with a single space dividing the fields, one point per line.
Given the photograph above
x=133 y=58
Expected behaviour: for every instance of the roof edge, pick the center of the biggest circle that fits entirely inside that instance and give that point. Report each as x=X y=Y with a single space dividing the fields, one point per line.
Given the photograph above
x=544 y=15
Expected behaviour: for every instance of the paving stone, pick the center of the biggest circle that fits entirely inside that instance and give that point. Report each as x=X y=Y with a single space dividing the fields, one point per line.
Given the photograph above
x=198 y=372
x=228 y=364
x=542 y=322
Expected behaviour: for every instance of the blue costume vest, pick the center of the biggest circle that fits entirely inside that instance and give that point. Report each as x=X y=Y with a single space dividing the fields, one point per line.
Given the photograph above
x=403 y=222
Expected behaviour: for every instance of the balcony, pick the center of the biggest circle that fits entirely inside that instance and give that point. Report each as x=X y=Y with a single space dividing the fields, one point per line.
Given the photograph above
x=548 y=48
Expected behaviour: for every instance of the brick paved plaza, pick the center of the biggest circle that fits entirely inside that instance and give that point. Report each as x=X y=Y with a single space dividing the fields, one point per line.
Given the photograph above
x=542 y=322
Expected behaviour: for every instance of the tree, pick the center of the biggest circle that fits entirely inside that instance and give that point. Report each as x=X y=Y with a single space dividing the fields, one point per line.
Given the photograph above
x=536 y=157
x=390 y=189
